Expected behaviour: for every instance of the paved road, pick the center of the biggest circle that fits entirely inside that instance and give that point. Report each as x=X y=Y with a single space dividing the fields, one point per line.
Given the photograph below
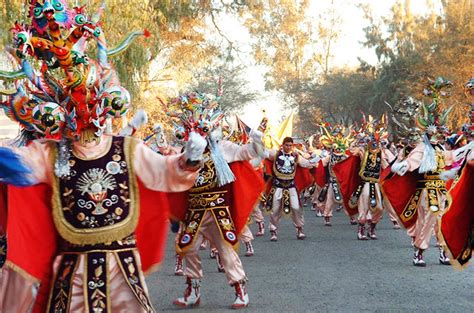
x=330 y=271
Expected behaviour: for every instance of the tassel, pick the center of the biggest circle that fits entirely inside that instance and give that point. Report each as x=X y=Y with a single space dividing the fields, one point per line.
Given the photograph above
x=429 y=157
x=12 y=170
x=223 y=171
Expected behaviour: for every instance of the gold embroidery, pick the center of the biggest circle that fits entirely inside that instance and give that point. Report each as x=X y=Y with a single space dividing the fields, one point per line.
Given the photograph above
x=207 y=178
x=111 y=232
x=206 y=199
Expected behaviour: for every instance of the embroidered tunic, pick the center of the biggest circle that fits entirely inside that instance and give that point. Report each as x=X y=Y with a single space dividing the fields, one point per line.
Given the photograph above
x=284 y=171
x=95 y=211
x=204 y=196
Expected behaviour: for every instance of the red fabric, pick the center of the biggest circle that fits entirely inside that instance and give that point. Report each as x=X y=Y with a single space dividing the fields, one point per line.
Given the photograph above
x=268 y=167
x=246 y=190
x=303 y=178
x=457 y=221
x=449 y=184
x=32 y=237
x=153 y=226
x=31 y=233
x=3 y=208
x=347 y=175
x=398 y=191
x=320 y=176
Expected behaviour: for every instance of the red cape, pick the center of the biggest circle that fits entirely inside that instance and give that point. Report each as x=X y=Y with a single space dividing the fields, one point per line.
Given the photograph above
x=398 y=191
x=246 y=190
x=347 y=176
x=32 y=237
x=3 y=208
x=457 y=221
x=320 y=177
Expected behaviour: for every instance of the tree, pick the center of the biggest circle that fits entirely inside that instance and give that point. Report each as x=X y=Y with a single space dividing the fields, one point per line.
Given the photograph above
x=340 y=98
x=228 y=80
x=412 y=48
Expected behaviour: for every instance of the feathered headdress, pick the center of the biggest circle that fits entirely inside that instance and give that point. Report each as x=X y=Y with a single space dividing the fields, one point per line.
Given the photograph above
x=200 y=113
x=432 y=119
x=196 y=112
x=337 y=139
x=76 y=101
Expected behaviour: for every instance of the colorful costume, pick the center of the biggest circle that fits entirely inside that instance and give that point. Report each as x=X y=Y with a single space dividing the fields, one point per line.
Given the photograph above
x=337 y=142
x=91 y=215
x=288 y=179
x=419 y=196
x=457 y=223
x=366 y=196
x=219 y=204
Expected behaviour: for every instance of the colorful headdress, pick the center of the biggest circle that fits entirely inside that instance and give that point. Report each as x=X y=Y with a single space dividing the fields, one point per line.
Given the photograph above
x=404 y=113
x=200 y=113
x=196 y=112
x=337 y=139
x=373 y=130
x=75 y=101
x=431 y=119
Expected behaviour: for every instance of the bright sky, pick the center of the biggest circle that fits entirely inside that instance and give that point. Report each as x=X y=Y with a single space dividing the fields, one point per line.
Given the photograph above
x=346 y=51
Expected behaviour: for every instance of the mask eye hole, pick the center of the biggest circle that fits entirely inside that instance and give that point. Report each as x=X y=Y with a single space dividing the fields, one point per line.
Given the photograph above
x=37 y=12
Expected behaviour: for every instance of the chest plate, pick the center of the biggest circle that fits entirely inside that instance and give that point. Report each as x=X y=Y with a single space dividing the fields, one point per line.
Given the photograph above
x=97 y=202
x=284 y=166
x=371 y=165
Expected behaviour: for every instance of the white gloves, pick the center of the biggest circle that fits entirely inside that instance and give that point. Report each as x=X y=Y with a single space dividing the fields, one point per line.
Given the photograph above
x=139 y=119
x=449 y=174
x=160 y=139
x=195 y=147
x=135 y=123
x=400 y=168
x=257 y=143
x=256 y=135
x=256 y=161
x=315 y=160
x=460 y=153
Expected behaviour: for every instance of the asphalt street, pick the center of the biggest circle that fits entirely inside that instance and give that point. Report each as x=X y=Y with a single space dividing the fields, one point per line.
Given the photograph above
x=329 y=271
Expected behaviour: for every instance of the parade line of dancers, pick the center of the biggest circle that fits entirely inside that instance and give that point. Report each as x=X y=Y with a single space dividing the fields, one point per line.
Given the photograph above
x=86 y=206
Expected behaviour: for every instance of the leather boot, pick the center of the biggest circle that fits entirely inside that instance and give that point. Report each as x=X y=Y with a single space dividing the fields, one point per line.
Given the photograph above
x=261 y=229
x=274 y=236
x=192 y=294
x=249 y=249
x=178 y=266
x=418 y=257
x=241 y=295
x=361 y=232
x=443 y=258
x=372 y=235
x=299 y=233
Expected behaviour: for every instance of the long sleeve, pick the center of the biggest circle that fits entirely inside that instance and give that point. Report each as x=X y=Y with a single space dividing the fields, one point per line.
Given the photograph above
x=305 y=163
x=37 y=156
x=233 y=152
x=161 y=173
x=415 y=157
x=387 y=157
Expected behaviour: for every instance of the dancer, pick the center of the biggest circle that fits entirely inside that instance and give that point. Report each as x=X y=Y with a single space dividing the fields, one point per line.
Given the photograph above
x=283 y=195
x=217 y=207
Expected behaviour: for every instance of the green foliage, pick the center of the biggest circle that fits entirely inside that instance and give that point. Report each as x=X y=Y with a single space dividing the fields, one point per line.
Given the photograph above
x=412 y=48
x=236 y=92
